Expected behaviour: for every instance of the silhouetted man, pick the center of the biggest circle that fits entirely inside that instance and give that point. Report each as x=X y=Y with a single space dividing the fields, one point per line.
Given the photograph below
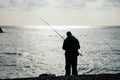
x=71 y=46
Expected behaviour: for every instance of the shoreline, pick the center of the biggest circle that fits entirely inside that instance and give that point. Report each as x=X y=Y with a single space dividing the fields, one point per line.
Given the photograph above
x=78 y=77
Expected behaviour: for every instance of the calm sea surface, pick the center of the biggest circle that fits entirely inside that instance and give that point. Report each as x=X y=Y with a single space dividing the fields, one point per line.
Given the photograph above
x=29 y=52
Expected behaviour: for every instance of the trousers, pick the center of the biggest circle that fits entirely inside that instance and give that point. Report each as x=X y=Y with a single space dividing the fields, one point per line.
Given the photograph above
x=71 y=63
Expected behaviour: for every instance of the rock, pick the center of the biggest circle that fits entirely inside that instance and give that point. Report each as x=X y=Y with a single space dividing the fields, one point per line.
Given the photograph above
x=47 y=75
x=1 y=31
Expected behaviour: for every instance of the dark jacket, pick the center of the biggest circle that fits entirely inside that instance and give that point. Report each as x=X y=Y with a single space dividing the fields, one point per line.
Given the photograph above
x=71 y=46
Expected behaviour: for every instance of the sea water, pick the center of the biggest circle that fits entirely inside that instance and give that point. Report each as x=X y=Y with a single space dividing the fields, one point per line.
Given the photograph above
x=29 y=52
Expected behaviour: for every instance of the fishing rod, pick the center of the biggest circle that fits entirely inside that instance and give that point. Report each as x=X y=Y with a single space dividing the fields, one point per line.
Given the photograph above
x=51 y=27
x=54 y=29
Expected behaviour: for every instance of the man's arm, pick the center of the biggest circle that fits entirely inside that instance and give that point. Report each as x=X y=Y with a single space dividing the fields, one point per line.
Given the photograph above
x=78 y=44
x=63 y=47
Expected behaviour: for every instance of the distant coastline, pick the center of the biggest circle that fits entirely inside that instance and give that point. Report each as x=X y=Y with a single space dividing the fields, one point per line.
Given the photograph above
x=71 y=26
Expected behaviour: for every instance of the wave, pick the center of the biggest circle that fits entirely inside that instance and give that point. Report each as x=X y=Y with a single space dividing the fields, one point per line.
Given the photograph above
x=12 y=53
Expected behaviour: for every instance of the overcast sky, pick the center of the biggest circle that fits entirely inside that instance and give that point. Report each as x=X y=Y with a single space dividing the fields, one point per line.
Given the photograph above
x=60 y=12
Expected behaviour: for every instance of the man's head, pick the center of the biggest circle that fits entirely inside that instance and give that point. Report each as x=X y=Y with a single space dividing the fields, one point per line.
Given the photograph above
x=69 y=33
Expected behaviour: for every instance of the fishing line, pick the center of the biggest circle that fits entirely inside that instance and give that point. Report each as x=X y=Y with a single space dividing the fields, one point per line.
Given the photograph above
x=51 y=27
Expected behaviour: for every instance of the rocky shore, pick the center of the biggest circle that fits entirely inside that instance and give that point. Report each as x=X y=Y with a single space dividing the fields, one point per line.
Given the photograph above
x=79 y=77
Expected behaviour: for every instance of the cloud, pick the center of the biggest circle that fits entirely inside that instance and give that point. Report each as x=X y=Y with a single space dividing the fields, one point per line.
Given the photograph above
x=74 y=3
x=113 y=3
x=22 y=4
x=94 y=4
x=31 y=4
x=3 y=4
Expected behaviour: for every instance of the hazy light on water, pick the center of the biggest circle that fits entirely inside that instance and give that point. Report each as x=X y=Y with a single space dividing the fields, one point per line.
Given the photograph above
x=61 y=27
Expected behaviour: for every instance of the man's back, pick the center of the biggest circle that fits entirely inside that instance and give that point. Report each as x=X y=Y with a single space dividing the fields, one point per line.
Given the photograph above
x=71 y=43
